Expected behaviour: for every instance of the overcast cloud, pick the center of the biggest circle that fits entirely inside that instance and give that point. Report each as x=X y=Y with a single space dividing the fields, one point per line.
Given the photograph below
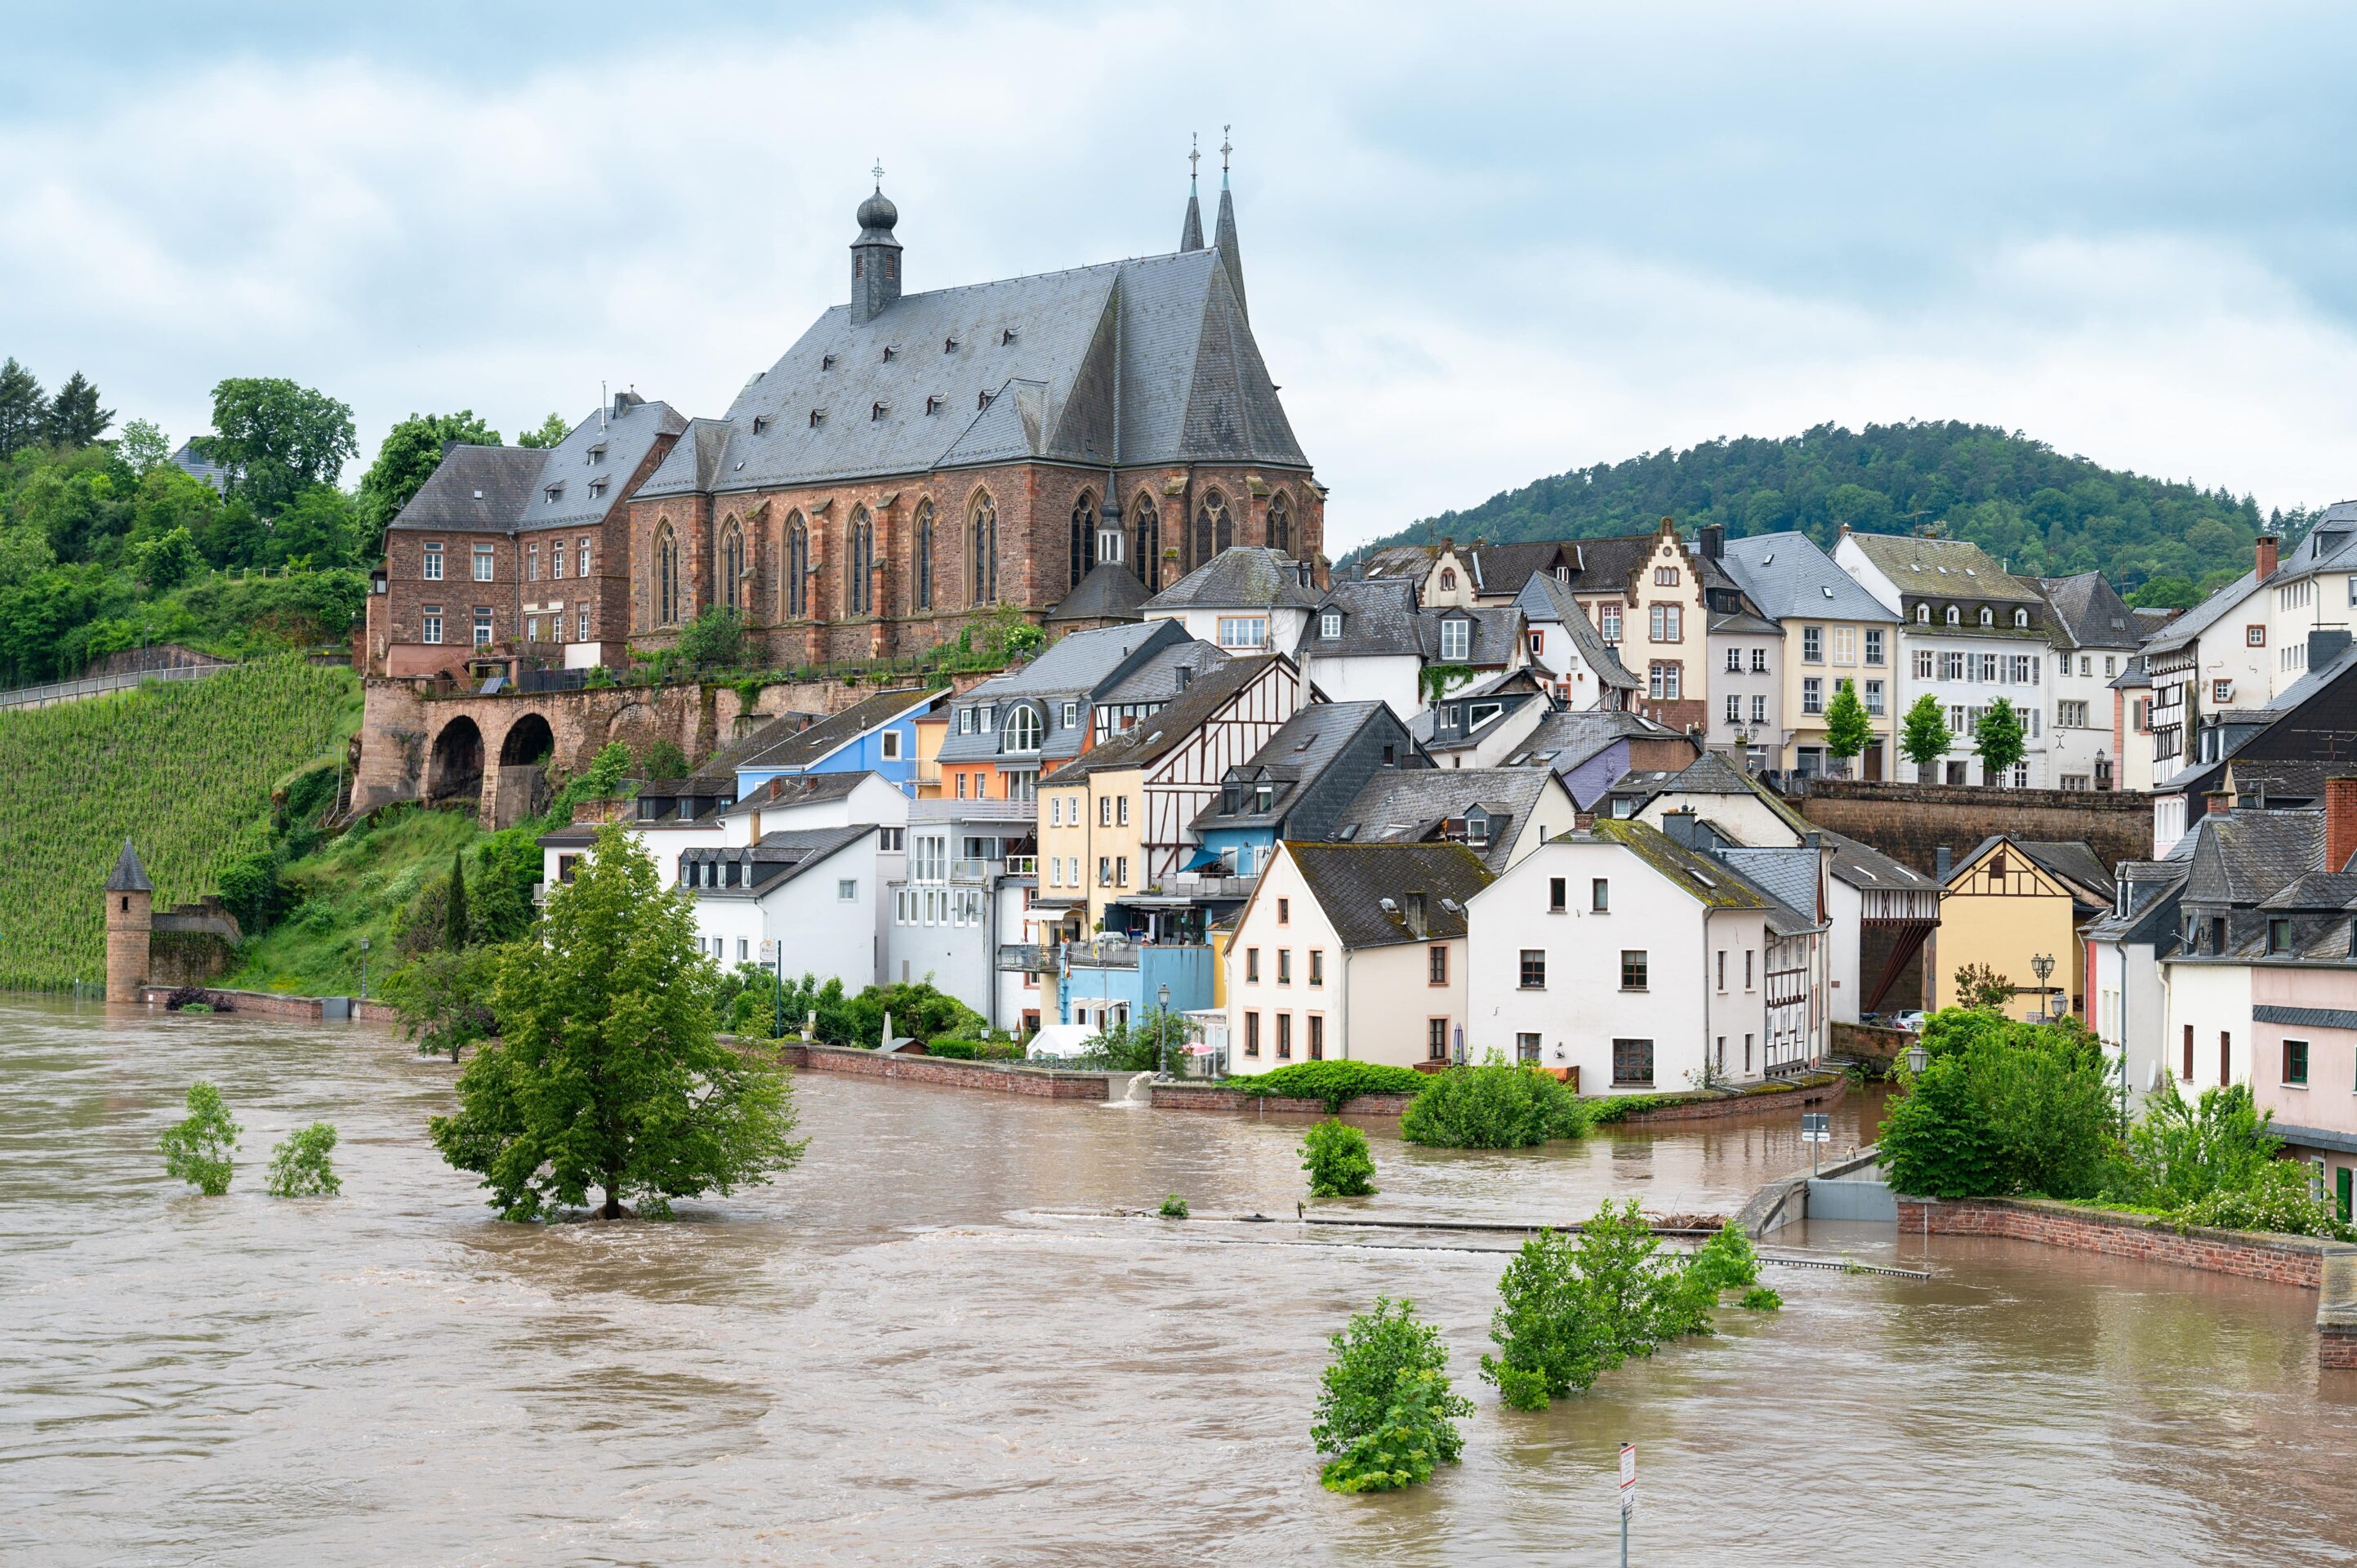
x=1482 y=243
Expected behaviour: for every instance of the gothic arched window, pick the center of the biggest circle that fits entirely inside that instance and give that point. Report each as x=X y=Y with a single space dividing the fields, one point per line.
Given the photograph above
x=1146 y=531
x=1214 y=529
x=982 y=548
x=858 y=577
x=1280 y=523
x=924 y=556
x=732 y=565
x=666 y=577
x=1084 y=536
x=796 y=587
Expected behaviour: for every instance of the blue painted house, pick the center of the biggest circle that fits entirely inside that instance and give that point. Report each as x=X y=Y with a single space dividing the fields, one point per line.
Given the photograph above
x=877 y=734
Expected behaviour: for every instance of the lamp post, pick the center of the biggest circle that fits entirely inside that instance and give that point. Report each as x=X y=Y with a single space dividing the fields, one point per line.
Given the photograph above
x=2043 y=966
x=1162 y=1027
x=1918 y=1059
x=365 y=952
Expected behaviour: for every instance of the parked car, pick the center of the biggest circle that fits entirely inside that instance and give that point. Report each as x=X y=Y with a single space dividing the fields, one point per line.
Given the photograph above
x=1910 y=1021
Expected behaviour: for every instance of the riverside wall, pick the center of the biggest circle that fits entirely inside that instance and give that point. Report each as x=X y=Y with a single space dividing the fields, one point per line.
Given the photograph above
x=277 y=1004
x=1001 y=1078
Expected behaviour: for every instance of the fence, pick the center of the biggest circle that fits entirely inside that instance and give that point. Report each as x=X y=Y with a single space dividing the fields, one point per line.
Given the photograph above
x=100 y=685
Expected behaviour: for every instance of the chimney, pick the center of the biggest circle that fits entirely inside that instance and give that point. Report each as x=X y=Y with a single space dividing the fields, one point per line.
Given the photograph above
x=1679 y=825
x=1943 y=859
x=1713 y=542
x=2269 y=545
x=2325 y=644
x=1412 y=908
x=2339 y=821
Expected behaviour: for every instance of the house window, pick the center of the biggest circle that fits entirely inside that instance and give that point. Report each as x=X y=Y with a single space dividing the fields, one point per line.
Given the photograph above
x=1664 y=680
x=1252 y=1034
x=1665 y=577
x=2022 y=620
x=433 y=623
x=1632 y=1062
x=1734 y=661
x=1955 y=615
x=1456 y=639
x=1813 y=645
x=2278 y=935
x=532 y=563
x=1317 y=966
x=1284 y=966
x=1923 y=615
x=1105 y=871
x=1600 y=896
x=1105 y=810
x=1556 y=895
x=1988 y=616
x=1448 y=579
x=1526 y=1049
x=433 y=562
x=1534 y=969
x=1609 y=623
x=889 y=744
x=1121 y=871
x=1988 y=668
x=2225 y=1057
x=1252 y=966
x=1812 y=696
x=1284 y=911
x=1667 y=622
x=1120 y=810
x=1243 y=631
x=2295 y=1053
x=1023 y=728
x=1874 y=645
x=2221 y=692
x=1844 y=645
x=1722 y=969
x=1436 y=965
x=1435 y=1040
x=1329 y=625
x=1734 y=709
x=1071 y=716
x=1632 y=968
x=1874 y=698
x=1285 y=1036
x=1538 y=643
x=483 y=628
x=1759 y=662
x=1954 y=666
x=482 y=563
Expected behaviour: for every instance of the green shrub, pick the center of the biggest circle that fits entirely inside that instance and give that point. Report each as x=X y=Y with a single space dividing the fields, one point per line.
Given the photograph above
x=1334 y=1154
x=956 y=1051
x=1726 y=1262
x=1385 y=1409
x=2181 y=1153
x=198 y=1149
x=299 y=1166
x=1335 y=1083
x=1174 y=1207
x=2005 y=1107
x=1497 y=1105
x=1759 y=1298
x=2277 y=1201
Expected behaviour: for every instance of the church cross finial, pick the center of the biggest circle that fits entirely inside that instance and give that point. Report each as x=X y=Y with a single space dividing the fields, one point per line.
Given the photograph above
x=878 y=172
x=1194 y=155
x=1224 y=151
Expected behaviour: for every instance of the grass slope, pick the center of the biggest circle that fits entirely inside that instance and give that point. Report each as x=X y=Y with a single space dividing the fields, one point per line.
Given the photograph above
x=2019 y=500
x=355 y=886
x=185 y=771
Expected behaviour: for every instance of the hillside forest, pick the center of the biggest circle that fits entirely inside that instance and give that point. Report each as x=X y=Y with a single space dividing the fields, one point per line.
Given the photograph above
x=2161 y=543
x=108 y=543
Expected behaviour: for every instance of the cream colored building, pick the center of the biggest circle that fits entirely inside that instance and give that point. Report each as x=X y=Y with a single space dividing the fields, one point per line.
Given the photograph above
x=2012 y=902
x=1833 y=630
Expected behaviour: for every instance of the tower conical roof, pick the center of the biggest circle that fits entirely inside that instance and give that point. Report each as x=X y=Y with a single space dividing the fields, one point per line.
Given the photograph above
x=1191 y=233
x=129 y=876
x=1224 y=238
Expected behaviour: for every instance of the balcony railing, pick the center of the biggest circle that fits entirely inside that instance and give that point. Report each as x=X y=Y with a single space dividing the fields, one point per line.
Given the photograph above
x=1022 y=865
x=971 y=872
x=1026 y=957
x=1106 y=952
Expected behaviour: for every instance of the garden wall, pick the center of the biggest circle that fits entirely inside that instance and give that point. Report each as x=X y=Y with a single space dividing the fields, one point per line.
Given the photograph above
x=1218 y=1097
x=2281 y=1260
x=1819 y=1092
x=1002 y=1078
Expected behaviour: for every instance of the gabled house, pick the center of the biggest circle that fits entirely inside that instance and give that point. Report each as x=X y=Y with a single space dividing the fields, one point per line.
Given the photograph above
x=2094 y=638
x=1827 y=629
x=1365 y=642
x=1592 y=750
x=1354 y=951
x=1300 y=784
x=2277 y=756
x=2127 y=1005
x=1484 y=723
x=1579 y=666
x=1500 y=813
x=2014 y=906
x=1245 y=599
x=875 y=735
x=813 y=895
x=818 y=800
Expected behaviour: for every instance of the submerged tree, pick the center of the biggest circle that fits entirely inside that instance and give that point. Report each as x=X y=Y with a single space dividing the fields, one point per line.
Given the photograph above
x=1386 y=1412
x=608 y=1075
x=299 y=1166
x=198 y=1149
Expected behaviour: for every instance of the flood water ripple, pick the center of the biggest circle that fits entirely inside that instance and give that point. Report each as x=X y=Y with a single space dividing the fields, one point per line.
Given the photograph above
x=927 y=1346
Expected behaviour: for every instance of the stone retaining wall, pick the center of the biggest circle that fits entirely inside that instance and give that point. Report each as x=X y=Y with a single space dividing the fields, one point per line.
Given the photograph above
x=1830 y=1093
x=2282 y=1259
x=278 y=1004
x=1002 y=1078
x=1218 y=1097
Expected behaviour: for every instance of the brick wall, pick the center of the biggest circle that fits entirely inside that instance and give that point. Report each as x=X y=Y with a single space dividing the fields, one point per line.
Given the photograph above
x=1909 y=823
x=1000 y=1077
x=2281 y=1260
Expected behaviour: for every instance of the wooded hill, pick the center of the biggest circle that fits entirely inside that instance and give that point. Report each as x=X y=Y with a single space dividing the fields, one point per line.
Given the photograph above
x=2040 y=512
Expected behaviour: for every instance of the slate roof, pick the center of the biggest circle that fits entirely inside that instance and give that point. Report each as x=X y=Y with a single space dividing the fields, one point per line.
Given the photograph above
x=2155 y=887
x=1600 y=564
x=1743 y=623
x=775 y=858
x=128 y=876
x=1379 y=620
x=1786 y=874
x=2070 y=859
x=1409 y=805
x=1395 y=561
x=515 y=483
x=2327 y=544
x=1573 y=735
x=2088 y=612
x=1157 y=679
x=1303 y=747
x=2133 y=675
x=1078 y=663
x=788 y=790
x=1788 y=576
x=1543 y=599
x=1864 y=866
x=1156 y=735
x=1243 y=577
x=2315 y=890
x=1504 y=568
x=801 y=748
x=2189 y=625
x=1942 y=568
x=1089 y=667
x=1043 y=350
x=1110 y=592
x=1351 y=882
x=1493 y=633
x=2243 y=857
x=1700 y=877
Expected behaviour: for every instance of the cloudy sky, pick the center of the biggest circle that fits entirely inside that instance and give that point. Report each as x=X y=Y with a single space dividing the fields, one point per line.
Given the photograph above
x=1483 y=243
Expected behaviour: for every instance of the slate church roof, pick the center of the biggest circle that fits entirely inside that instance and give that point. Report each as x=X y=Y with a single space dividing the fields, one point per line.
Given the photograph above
x=576 y=483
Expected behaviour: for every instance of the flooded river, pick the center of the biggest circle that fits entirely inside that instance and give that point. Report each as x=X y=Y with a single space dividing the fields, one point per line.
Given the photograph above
x=909 y=1351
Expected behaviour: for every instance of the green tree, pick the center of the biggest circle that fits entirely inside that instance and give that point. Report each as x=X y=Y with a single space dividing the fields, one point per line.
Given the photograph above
x=1847 y=729
x=1334 y=1154
x=1385 y=1409
x=444 y=998
x=607 y=1074
x=299 y=1166
x=198 y=1148
x=665 y=760
x=1981 y=987
x=1923 y=735
x=143 y=447
x=551 y=433
x=715 y=637
x=410 y=453
x=74 y=418
x=24 y=409
x=316 y=529
x=278 y=439
x=1497 y=1105
x=2181 y=1152
x=2005 y=1107
x=455 y=931
x=1999 y=739
x=166 y=563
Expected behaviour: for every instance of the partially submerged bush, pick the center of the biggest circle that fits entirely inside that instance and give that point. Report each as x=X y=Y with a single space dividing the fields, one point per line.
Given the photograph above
x=1174 y=1207
x=1335 y=1083
x=1339 y=1165
x=198 y=1149
x=1759 y=1298
x=1497 y=1105
x=299 y=1166
x=1386 y=1411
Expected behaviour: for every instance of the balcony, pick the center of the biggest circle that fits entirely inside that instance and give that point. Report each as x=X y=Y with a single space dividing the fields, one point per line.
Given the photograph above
x=1105 y=952
x=1026 y=957
x=1191 y=887
x=1022 y=865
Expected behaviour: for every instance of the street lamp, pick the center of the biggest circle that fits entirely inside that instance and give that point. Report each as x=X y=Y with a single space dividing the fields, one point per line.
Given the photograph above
x=2043 y=966
x=1918 y=1059
x=365 y=952
x=1162 y=1027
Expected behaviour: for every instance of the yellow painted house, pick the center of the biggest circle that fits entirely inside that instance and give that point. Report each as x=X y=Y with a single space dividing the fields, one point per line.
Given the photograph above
x=2013 y=903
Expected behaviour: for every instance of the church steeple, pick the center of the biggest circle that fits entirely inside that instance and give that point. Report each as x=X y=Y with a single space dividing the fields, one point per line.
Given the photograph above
x=1230 y=257
x=1191 y=233
x=874 y=255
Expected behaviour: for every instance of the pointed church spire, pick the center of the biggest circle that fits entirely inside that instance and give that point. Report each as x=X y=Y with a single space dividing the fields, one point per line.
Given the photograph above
x=129 y=876
x=1191 y=233
x=1224 y=238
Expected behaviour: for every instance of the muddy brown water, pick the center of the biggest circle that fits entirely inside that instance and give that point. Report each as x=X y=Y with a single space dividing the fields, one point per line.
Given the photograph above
x=901 y=1352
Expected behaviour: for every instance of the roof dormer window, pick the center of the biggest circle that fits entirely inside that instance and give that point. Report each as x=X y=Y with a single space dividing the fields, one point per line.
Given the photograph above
x=890 y=349
x=1988 y=616
x=555 y=492
x=1923 y=615
x=932 y=405
x=1955 y=615
x=949 y=344
x=596 y=455
x=597 y=489
x=818 y=417
x=2020 y=619
x=1456 y=639
x=1330 y=625
x=826 y=361
x=981 y=400
x=1007 y=335
x=760 y=423
x=879 y=409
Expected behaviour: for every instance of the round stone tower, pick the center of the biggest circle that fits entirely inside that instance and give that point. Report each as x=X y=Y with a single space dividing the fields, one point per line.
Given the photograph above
x=130 y=920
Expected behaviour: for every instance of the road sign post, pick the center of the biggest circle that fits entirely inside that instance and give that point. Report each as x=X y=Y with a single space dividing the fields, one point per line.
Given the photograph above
x=1628 y=1496
x=1817 y=1128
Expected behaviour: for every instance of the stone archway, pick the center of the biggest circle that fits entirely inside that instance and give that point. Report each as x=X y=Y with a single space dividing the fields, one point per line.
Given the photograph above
x=519 y=788
x=529 y=740
x=454 y=770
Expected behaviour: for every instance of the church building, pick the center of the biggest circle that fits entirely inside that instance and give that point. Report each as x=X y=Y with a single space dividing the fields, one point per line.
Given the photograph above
x=918 y=460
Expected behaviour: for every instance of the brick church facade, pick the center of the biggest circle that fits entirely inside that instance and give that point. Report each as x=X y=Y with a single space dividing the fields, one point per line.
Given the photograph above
x=910 y=466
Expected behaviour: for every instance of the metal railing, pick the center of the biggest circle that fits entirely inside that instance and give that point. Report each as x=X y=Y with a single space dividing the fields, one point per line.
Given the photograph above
x=1026 y=957
x=1022 y=865
x=100 y=685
